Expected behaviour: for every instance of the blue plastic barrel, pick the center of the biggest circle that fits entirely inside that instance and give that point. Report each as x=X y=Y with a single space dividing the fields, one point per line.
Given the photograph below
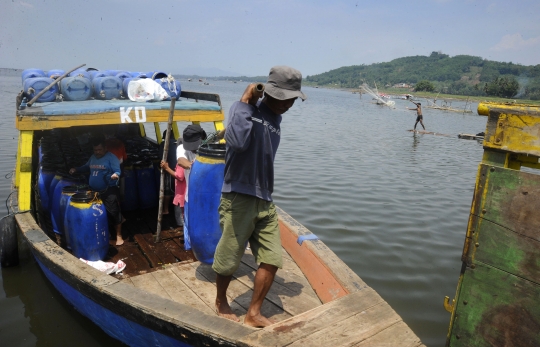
x=57 y=218
x=123 y=75
x=112 y=72
x=146 y=185
x=205 y=182
x=129 y=190
x=32 y=86
x=67 y=193
x=157 y=173
x=138 y=74
x=45 y=176
x=125 y=84
x=93 y=74
x=107 y=88
x=55 y=72
x=76 y=88
x=80 y=73
x=159 y=74
x=32 y=73
x=56 y=178
x=87 y=226
x=171 y=87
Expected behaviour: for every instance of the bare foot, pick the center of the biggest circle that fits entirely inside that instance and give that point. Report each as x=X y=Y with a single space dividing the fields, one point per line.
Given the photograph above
x=224 y=310
x=119 y=241
x=257 y=321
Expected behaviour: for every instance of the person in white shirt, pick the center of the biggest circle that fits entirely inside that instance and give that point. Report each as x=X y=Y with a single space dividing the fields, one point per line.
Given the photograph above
x=185 y=155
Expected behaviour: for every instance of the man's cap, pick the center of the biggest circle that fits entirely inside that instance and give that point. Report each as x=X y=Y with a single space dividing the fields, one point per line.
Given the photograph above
x=284 y=83
x=192 y=137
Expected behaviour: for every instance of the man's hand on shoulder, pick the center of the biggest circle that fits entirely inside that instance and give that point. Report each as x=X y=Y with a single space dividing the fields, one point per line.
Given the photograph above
x=251 y=95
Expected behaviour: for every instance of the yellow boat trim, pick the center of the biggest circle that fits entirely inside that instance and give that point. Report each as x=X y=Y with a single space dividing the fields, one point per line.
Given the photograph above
x=207 y=160
x=23 y=172
x=152 y=116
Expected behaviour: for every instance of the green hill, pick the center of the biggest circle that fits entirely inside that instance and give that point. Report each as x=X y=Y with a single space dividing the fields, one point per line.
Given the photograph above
x=458 y=75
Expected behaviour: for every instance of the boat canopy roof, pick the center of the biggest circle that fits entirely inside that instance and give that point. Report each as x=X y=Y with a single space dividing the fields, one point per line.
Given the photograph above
x=191 y=107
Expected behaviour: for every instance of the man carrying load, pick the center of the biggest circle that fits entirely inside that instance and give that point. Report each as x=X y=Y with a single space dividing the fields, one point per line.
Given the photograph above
x=246 y=210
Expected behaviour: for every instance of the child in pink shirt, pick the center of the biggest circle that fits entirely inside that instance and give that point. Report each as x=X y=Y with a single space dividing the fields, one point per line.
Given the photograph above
x=179 y=191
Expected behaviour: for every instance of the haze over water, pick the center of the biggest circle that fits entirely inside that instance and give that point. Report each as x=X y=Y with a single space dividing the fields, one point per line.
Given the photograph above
x=391 y=204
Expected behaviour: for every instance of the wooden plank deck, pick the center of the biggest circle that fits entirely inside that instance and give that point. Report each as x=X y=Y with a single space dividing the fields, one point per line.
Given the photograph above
x=193 y=283
x=163 y=272
x=139 y=251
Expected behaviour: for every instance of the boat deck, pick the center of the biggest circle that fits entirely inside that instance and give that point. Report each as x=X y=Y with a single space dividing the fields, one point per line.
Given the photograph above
x=139 y=251
x=193 y=284
x=167 y=271
x=360 y=318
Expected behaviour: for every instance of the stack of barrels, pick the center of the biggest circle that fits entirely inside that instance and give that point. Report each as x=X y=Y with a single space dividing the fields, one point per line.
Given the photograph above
x=86 y=84
x=141 y=176
x=70 y=211
x=81 y=224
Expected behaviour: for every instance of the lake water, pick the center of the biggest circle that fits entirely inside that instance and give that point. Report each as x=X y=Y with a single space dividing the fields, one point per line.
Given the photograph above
x=391 y=204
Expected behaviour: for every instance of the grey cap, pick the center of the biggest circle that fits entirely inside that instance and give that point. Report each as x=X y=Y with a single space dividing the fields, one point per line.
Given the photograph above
x=284 y=83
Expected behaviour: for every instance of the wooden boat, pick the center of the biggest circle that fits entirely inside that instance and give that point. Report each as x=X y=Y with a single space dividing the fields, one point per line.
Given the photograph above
x=165 y=296
x=496 y=301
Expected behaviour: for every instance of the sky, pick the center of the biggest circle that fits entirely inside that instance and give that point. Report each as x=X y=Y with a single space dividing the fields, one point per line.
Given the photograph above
x=238 y=37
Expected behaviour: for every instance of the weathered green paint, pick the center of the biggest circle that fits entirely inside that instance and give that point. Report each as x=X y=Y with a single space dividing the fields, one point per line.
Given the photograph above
x=495 y=308
x=498 y=297
x=512 y=200
x=508 y=251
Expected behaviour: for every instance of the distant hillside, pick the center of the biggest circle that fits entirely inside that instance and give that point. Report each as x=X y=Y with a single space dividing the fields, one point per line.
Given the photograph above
x=461 y=75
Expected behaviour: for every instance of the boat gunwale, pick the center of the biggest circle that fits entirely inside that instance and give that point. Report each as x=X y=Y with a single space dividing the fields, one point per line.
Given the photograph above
x=176 y=320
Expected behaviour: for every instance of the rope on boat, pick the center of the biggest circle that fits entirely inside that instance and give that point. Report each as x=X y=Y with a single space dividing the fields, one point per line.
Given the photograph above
x=14 y=213
x=213 y=137
x=8 y=199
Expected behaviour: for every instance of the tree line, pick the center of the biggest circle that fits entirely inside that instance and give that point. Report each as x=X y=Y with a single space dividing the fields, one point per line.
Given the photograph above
x=458 y=75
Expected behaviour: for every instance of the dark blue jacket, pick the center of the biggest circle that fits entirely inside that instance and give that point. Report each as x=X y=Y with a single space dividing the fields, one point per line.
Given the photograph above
x=252 y=136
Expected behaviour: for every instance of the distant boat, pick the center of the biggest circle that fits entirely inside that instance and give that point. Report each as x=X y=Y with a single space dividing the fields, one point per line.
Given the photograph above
x=189 y=79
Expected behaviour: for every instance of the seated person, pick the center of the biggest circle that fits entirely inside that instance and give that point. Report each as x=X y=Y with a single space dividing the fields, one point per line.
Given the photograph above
x=104 y=168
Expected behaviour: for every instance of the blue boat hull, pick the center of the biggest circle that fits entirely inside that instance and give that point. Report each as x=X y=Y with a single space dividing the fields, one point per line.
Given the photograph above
x=127 y=331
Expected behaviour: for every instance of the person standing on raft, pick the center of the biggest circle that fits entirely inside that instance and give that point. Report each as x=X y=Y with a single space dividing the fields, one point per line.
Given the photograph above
x=246 y=210
x=419 y=116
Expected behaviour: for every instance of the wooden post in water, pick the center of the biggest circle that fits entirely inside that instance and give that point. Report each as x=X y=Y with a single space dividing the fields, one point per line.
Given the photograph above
x=161 y=184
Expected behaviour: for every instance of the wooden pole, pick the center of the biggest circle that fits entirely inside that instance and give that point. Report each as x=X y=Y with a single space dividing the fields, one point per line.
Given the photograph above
x=31 y=102
x=161 y=184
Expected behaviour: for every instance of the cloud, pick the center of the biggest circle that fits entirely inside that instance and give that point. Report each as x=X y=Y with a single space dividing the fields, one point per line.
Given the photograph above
x=515 y=41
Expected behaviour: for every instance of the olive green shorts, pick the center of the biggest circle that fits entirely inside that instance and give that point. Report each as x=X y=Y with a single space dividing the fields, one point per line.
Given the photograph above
x=246 y=218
